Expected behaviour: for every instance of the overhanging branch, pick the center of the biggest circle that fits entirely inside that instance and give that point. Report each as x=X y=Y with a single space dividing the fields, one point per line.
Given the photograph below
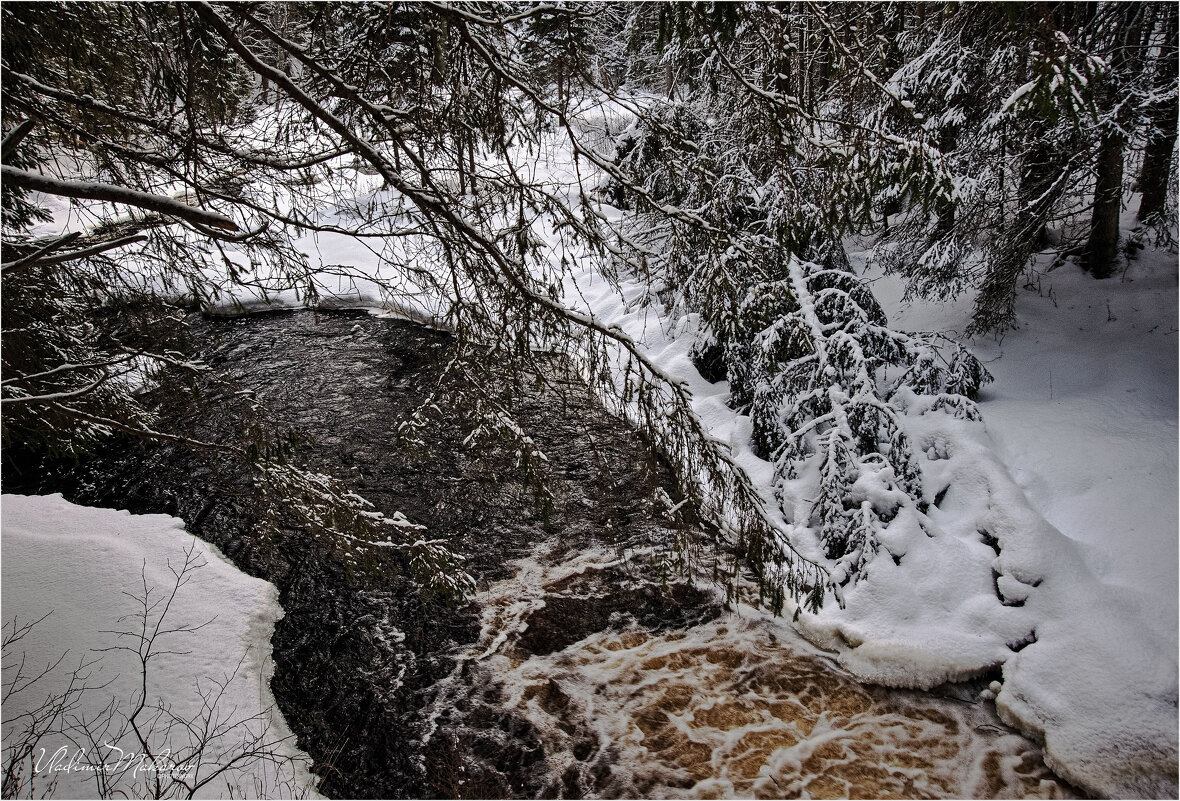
x=93 y=190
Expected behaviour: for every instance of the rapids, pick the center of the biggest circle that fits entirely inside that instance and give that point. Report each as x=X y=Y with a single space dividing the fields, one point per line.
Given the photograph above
x=737 y=706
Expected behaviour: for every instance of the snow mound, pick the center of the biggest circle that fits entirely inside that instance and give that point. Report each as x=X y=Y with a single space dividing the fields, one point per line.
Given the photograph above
x=86 y=571
x=1056 y=555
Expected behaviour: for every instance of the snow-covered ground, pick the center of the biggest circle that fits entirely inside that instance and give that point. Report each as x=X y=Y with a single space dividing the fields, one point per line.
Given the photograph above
x=1082 y=417
x=1076 y=486
x=1054 y=555
x=84 y=574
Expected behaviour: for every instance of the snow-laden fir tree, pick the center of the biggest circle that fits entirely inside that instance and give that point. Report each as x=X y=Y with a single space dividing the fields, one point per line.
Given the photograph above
x=1033 y=110
x=805 y=346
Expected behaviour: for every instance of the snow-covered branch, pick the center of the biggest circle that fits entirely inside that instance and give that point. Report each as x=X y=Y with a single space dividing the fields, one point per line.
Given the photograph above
x=110 y=193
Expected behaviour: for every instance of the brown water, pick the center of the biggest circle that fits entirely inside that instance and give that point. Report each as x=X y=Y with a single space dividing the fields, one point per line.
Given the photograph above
x=736 y=707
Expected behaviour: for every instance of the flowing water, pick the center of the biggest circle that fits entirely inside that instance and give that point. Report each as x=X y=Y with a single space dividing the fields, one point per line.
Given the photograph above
x=738 y=706
x=582 y=668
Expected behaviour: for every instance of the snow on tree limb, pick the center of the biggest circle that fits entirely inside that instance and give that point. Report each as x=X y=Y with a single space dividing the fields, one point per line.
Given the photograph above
x=41 y=259
x=93 y=190
x=14 y=137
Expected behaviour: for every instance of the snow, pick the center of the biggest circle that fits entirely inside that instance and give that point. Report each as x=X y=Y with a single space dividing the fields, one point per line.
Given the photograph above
x=87 y=569
x=1053 y=554
x=1075 y=475
x=1102 y=361
x=1075 y=484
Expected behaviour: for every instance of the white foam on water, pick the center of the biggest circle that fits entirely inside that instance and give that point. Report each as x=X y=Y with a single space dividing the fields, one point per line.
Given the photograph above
x=737 y=707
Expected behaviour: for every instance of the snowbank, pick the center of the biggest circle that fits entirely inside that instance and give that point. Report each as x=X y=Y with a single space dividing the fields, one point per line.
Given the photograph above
x=84 y=573
x=1080 y=470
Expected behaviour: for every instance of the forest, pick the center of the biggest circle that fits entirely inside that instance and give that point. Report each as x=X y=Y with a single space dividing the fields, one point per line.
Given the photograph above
x=503 y=337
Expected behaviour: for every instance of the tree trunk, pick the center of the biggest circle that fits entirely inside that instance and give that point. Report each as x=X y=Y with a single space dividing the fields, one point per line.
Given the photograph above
x=1102 y=248
x=946 y=209
x=438 y=67
x=1042 y=182
x=1161 y=119
x=461 y=165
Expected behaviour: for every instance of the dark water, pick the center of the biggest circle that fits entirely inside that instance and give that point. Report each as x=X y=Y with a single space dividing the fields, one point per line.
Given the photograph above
x=359 y=651
x=584 y=665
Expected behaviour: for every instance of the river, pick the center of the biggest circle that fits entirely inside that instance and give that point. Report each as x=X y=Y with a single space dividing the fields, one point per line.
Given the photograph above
x=584 y=665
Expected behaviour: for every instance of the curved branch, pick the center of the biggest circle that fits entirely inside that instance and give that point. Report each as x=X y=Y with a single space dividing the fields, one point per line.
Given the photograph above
x=13 y=139
x=41 y=260
x=93 y=190
x=32 y=258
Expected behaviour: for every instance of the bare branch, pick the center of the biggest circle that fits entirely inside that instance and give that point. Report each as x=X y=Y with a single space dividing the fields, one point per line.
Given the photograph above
x=60 y=242
x=93 y=250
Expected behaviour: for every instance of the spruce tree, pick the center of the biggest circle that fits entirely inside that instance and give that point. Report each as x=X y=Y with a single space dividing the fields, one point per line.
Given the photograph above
x=1157 y=173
